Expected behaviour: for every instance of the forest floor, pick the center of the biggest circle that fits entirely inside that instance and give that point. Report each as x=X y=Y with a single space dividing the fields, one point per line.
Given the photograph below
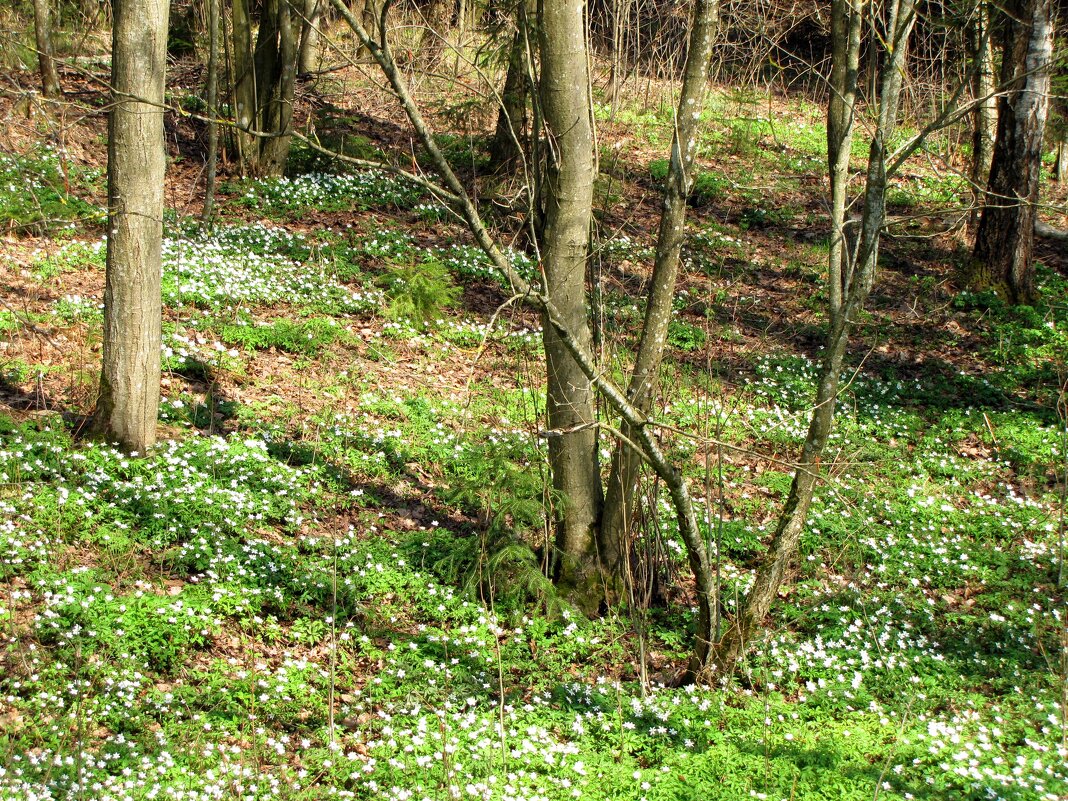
x=328 y=579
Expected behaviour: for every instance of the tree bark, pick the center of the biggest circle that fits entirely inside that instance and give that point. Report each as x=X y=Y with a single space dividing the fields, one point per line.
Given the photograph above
x=847 y=17
x=1062 y=154
x=308 y=53
x=538 y=300
x=264 y=84
x=42 y=29
x=128 y=404
x=1002 y=260
x=507 y=146
x=985 y=115
x=772 y=571
x=211 y=92
x=568 y=204
x=619 y=495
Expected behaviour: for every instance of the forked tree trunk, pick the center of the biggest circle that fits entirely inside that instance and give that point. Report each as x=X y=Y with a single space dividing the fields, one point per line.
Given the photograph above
x=568 y=204
x=128 y=405
x=626 y=463
x=847 y=17
x=264 y=83
x=537 y=299
x=42 y=29
x=1003 y=259
x=784 y=545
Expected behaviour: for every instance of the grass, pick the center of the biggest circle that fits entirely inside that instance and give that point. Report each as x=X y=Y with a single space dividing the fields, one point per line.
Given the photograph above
x=329 y=580
x=44 y=192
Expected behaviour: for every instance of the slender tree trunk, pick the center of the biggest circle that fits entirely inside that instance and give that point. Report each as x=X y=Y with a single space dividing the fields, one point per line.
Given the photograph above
x=568 y=203
x=847 y=18
x=128 y=405
x=212 y=98
x=244 y=84
x=985 y=115
x=619 y=500
x=1003 y=260
x=507 y=146
x=42 y=28
x=772 y=571
x=1062 y=153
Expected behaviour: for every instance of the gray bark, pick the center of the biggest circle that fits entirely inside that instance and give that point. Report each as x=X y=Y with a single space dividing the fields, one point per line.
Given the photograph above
x=985 y=115
x=42 y=29
x=772 y=571
x=613 y=395
x=128 y=404
x=508 y=138
x=1002 y=259
x=847 y=17
x=264 y=83
x=626 y=463
x=212 y=99
x=568 y=205
x=308 y=55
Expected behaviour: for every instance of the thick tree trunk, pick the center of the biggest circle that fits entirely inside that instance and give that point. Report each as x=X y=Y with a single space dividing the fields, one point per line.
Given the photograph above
x=772 y=571
x=1002 y=260
x=619 y=499
x=568 y=204
x=42 y=29
x=847 y=18
x=128 y=405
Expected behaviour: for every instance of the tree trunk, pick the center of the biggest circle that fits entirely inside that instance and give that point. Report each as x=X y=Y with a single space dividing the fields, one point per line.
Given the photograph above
x=772 y=571
x=128 y=405
x=985 y=115
x=846 y=20
x=308 y=58
x=42 y=28
x=507 y=146
x=264 y=83
x=568 y=203
x=619 y=501
x=1062 y=154
x=538 y=300
x=1002 y=260
x=211 y=92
